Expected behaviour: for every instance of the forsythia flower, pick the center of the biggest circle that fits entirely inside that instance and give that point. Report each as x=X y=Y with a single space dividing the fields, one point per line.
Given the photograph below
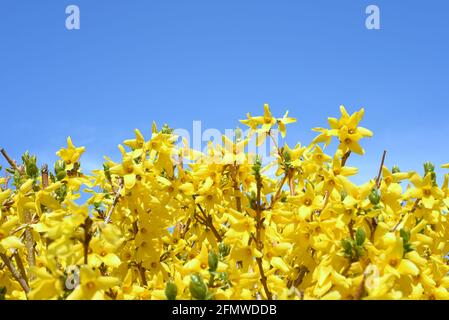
x=169 y=222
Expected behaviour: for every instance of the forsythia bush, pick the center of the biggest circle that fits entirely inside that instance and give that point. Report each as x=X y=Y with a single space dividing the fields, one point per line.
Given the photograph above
x=215 y=225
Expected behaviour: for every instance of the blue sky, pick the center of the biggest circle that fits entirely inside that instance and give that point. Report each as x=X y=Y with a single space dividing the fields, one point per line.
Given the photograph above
x=133 y=62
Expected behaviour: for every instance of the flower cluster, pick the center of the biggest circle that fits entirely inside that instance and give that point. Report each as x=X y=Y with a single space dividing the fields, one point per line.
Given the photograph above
x=167 y=222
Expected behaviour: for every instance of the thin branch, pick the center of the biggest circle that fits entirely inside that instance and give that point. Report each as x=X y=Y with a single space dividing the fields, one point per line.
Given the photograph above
x=415 y=206
x=29 y=240
x=114 y=203
x=259 y=243
x=379 y=175
x=11 y=162
x=87 y=237
x=209 y=223
x=345 y=158
x=360 y=289
x=17 y=276
x=44 y=175
x=277 y=196
x=142 y=274
x=19 y=263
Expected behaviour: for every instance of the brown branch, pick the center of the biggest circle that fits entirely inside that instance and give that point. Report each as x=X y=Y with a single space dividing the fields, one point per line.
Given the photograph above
x=87 y=237
x=345 y=158
x=379 y=175
x=142 y=274
x=114 y=203
x=210 y=224
x=44 y=175
x=360 y=289
x=11 y=162
x=17 y=276
x=415 y=206
x=238 y=199
x=278 y=192
x=29 y=240
x=259 y=243
x=19 y=263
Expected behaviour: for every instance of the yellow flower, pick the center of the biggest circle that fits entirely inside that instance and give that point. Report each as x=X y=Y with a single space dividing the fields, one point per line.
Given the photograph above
x=92 y=285
x=71 y=155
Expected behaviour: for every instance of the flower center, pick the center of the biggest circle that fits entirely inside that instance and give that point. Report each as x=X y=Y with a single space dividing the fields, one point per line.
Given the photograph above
x=90 y=285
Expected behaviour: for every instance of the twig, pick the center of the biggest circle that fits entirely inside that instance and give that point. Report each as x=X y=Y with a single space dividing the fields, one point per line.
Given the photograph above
x=44 y=174
x=20 y=265
x=360 y=289
x=11 y=162
x=415 y=206
x=379 y=175
x=278 y=192
x=17 y=276
x=259 y=243
x=142 y=274
x=29 y=240
x=114 y=203
x=345 y=158
x=209 y=223
x=87 y=237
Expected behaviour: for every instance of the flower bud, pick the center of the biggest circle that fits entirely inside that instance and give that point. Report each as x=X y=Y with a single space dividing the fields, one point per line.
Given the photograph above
x=60 y=170
x=360 y=236
x=224 y=249
x=374 y=197
x=213 y=260
x=171 y=290
x=395 y=169
x=198 y=288
x=429 y=167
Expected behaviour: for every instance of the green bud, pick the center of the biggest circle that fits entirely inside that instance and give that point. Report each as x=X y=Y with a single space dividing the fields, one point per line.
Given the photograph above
x=257 y=167
x=198 y=288
x=60 y=170
x=405 y=235
x=213 y=260
x=429 y=167
x=360 y=236
x=395 y=169
x=347 y=247
x=171 y=291
x=374 y=197
x=166 y=129
x=30 y=163
x=224 y=249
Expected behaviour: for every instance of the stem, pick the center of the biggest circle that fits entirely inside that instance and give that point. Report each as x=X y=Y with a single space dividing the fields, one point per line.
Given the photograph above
x=17 y=276
x=114 y=203
x=360 y=288
x=11 y=162
x=209 y=223
x=20 y=266
x=87 y=237
x=278 y=192
x=345 y=158
x=238 y=199
x=29 y=240
x=142 y=274
x=379 y=175
x=44 y=174
x=259 y=243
